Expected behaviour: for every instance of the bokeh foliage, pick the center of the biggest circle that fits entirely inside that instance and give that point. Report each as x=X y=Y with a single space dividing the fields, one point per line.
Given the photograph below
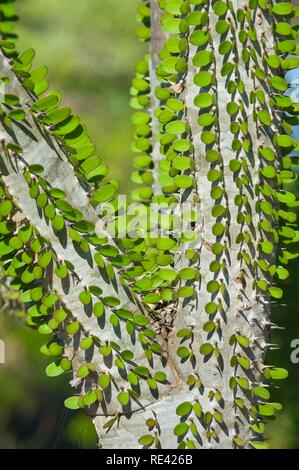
x=91 y=51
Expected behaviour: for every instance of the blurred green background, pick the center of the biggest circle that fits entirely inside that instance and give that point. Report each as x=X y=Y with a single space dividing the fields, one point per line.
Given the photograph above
x=90 y=49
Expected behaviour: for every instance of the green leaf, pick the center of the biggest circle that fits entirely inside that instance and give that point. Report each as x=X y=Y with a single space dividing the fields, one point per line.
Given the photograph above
x=104 y=381
x=286 y=46
x=104 y=193
x=175 y=105
x=140 y=320
x=45 y=330
x=60 y=315
x=212 y=286
x=45 y=259
x=282 y=9
x=243 y=383
x=211 y=308
x=285 y=197
x=123 y=398
x=258 y=428
x=57 y=116
x=264 y=117
x=146 y=440
x=203 y=100
x=227 y=69
x=199 y=38
x=7 y=44
x=141 y=371
x=54 y=369
x=85 y=297
x=181 y=163
x=243 y=341
x=6 y=208
x=225 y=47
x=72 y=403
x=151 y=383
x=184 y=181
x=282 y=273
x=222 y=26
x=160 y=377
x=166 y=244
x=90 y=398
x=244 y=362
x=188 y=274
x=183 y=352
x=209 y=326
x=275 y=292
x=185 y=292
x=84 y=226
x=41 y=87
x=220 y=8
x=276 y=373
x=176 y=127
x=206 y=119
x=38 y=74
x=203 y=79
x=278 y=83
x=42 y=200
x=83 y=371
x=11 y=100
x=152 y=298
x=47 y=103
x=57 y=193
x=110 y=423
x=56 y=349
x=171 y=26
x=98 y=309
x=181 y=145
x=61 y=271
x=197 y=409
x=284 y=29
x=259 y=445
x=261 y=392
x=268 y=171
x=184 y=333
x=86 y=343
x=181 y=429
x=36 y=294
x=184 y=409
x=208 y=137
x=72 y=328
x=17 y=115
x=67 y=126
x=284 y=141
x=232 y=108
x=58 y=223
x=202 y=58
x=265 y=410
x=206 y=349
x=26 y=57
x=36 y=169
x=218 y=229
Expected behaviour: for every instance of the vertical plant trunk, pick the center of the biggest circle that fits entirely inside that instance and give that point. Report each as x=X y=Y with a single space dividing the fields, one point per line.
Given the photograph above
x=229 y=313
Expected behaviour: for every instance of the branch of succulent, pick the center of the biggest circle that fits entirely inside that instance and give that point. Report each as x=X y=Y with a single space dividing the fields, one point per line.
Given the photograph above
x=165 y=336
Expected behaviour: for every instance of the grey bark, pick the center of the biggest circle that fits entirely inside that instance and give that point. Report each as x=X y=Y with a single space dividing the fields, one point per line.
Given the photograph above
x=244 y=310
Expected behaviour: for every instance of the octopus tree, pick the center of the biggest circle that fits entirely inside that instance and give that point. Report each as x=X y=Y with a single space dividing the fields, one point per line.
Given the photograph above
x=163 y=334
